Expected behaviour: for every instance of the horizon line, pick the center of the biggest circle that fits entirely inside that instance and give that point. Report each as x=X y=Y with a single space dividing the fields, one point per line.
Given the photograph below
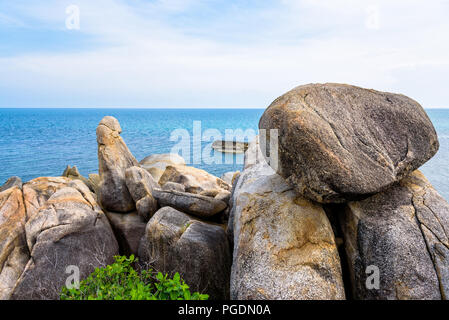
x=174 y=108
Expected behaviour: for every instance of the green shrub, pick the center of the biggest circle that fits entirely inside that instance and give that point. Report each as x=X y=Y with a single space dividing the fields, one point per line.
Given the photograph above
x=119 y=281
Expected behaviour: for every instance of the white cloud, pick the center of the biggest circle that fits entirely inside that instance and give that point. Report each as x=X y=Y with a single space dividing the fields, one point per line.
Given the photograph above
x=244 y=57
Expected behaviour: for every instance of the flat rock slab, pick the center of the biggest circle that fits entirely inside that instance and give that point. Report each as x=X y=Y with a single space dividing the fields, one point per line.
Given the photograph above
x=197 y=205
x=339 y=142
x=194 y=180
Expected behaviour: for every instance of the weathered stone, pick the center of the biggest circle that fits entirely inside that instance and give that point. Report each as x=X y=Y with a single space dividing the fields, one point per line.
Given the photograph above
x=37 y=191
x=195 y=180
x=114 y=158
x=210 y=193
x=402 y=231
x=200 y=206
x=141 y=184
x=94 y=182
x=223 y=196
x=12 y=221
x=146 y=207
x=228 y=177
x=128 y=229
x=10 y=183
x=64 y=226
x=73 y=173
x=339 y=142
x=173 y=186
x=156 y=163
x=284 y=247
x=199 y=251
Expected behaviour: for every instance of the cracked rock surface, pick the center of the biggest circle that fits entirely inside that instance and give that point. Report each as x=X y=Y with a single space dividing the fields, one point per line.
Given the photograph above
x=404 y=232
x=339 y=143
x=199 y=251
x=284 y=247
x=114 y=158
x=53 y=223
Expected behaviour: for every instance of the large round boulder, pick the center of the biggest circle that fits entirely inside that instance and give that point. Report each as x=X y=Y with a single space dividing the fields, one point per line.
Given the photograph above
x=339 y=142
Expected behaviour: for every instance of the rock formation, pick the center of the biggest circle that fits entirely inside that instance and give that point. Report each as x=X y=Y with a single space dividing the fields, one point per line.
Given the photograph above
x=339 y=143
x=194 y=180
x=114 y=158
x=155 y=164
x=284 y=247
x=141 y=185
x=197 y=205
x=199 y=251
x=404 y=232
x=59 y=225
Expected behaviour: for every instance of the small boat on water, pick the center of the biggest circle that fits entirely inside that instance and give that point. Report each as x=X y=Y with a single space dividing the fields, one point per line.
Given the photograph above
x=230 y=146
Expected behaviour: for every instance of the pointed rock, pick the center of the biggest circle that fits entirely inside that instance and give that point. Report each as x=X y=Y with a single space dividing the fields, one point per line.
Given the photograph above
x=114 y=158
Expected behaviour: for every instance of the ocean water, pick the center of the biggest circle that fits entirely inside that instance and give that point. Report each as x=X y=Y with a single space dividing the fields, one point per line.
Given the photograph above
x=42 y=142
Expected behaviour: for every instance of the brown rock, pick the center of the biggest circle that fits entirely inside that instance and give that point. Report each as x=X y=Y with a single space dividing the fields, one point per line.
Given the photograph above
x=200 y=206
x=284 y=247
x=156 y=163
x=194 y=180
x=114 y=158
x=63 y=226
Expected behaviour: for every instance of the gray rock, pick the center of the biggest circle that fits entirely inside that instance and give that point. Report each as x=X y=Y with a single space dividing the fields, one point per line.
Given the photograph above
x=128 y=229
x=199 y=251
x=10 y=183
x=339 y=142
x=223 y=196
x=228 y=177
x=64 y=226
x=146 y=207
x=141 y=184
x=173 y=186
x=284 y=247
x=404 y=232
x=114 y=158
x=200 y=206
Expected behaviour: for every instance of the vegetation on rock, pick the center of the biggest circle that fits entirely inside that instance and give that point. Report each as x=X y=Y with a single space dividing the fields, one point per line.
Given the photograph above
x=120 y=281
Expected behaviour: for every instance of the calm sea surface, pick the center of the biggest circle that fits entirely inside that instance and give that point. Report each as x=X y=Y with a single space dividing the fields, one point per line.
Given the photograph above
x=42 y=142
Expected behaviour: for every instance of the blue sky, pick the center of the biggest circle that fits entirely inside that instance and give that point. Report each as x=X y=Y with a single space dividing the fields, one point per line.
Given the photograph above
x=199 y=53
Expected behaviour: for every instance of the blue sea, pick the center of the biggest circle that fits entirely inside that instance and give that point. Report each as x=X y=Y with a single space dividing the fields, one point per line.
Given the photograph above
x=42 y=142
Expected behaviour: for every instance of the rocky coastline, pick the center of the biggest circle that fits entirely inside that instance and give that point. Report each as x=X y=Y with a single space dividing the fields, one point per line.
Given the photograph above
x=343 y=214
